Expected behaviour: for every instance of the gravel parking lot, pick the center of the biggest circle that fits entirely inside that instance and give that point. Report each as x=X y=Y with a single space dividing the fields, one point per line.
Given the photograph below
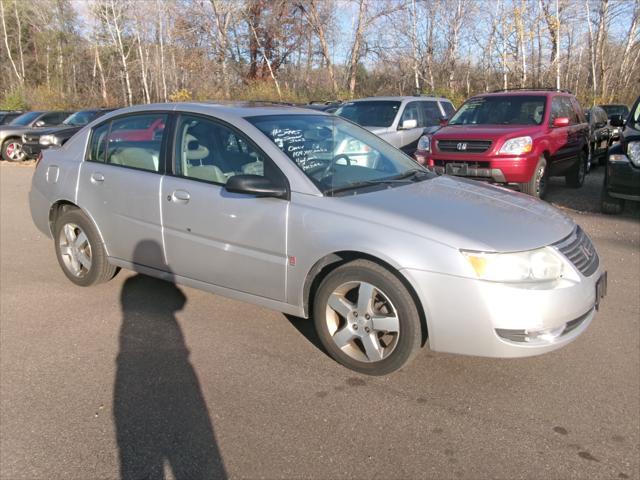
x=155 y=378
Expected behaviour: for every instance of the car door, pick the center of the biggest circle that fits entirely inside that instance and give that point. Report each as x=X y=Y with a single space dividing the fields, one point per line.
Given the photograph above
x=231 y=240
x=119 y=187
x=408 y=138
x=562 y=142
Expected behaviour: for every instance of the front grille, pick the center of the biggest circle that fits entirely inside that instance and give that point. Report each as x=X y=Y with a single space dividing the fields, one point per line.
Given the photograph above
x=30 y=138
x=468 y=146
x=578 y=248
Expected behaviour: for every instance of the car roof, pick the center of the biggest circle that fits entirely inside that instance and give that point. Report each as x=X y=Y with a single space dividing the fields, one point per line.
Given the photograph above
x=397 y=98
x=235 y=109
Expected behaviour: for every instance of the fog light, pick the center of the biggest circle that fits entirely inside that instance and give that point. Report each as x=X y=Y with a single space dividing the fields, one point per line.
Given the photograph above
x=527 y=336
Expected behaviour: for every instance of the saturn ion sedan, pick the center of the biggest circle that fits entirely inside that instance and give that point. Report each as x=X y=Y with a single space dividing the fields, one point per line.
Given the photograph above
x=266 y=205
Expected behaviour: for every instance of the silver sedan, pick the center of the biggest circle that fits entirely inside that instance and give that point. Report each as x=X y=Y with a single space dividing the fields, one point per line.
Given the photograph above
x=275 y=206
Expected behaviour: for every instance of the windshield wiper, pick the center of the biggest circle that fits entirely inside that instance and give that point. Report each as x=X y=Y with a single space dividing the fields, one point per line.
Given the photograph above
x=408 y=176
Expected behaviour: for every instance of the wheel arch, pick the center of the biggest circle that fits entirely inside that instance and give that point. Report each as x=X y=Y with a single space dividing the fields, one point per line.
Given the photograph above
x=330 y=262
x=62 y=206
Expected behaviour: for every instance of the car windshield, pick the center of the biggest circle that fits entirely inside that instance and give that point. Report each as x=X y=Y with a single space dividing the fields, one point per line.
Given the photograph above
x=25 y=118
x=379 y=113
x=616 y=110
x=501 y=110
x=338 y=155
x=79 y=119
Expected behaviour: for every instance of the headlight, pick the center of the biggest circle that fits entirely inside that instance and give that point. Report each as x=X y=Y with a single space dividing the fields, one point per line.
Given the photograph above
x=517 y=146
x=424 y=144
x=541 y=265
x=633 y=152
x=47 y=140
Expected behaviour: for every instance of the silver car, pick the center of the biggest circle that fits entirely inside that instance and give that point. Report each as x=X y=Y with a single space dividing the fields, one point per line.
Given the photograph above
x=255 y=204
x=400 y=121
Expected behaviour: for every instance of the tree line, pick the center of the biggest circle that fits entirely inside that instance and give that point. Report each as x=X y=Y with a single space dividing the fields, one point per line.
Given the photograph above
x=59 y=53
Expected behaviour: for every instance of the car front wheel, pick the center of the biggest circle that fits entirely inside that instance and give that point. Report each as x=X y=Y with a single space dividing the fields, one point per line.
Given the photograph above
x=80 y=251
x=12 y=151
x=366 y=318
x=537 y=185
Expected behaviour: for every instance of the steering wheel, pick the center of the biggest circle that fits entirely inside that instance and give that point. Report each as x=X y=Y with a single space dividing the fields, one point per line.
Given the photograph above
x=334 y=162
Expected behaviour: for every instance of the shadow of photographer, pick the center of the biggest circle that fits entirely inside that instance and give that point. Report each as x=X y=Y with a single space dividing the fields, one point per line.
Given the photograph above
x=160 y=413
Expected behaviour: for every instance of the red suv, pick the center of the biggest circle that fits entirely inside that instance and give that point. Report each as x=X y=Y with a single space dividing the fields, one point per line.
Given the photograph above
x=518 y=137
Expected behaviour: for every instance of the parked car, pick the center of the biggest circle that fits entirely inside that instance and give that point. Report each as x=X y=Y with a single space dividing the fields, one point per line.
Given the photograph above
x=327 y=107
x=7 y=115
x=255 y=204
x=401 y=121
x=616 y=110
x=36 y=140
x=514 y=137
x=622 y=175
x=11 y=134
x=599 y=136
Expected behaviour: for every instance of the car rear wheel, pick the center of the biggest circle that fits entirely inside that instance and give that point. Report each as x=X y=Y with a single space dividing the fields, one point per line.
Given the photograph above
x=80 y=251
x=12 y=150
x=537 y=185
x=366 y=318
x=575 y=177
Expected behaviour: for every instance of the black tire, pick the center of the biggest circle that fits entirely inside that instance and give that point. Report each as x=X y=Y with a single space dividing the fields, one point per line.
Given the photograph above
x=575 y=176
x=10 y=156
x=537 y=185
x=99 y=269
x=402 y=346
x=610 y=205
x=602 y=161
x=590 y=159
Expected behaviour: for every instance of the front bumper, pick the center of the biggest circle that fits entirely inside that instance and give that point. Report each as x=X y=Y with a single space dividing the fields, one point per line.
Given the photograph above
x=474 y=317
x=32 y=149
x=499 y=169
x=623 y=179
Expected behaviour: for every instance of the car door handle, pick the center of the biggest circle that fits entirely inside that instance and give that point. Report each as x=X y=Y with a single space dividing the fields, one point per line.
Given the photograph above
x=180 y=196
x=97 y=178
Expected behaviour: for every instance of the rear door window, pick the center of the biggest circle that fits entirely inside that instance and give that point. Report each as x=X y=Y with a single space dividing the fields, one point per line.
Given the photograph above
x=134 y=141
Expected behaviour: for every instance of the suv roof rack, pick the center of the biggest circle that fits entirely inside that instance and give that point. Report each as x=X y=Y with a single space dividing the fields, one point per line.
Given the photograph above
x=543 y=89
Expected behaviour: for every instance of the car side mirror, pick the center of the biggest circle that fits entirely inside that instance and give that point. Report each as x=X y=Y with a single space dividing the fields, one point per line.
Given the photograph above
x=616 y=121
x=256 y=185
x=409 y=124
x=444 y=121
x=39 y=123
x=561 y=122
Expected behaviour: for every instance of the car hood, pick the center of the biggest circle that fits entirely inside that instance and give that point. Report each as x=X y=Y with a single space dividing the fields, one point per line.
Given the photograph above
x=482 y=132
x=13 y=128
x=57 y=129
x=463 y=214
x=378 y=130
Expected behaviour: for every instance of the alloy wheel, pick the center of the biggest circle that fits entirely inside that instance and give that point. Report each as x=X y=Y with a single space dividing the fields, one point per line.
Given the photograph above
x=75 y=250
x=362 y=321
x=14 y=152
x=541 y=181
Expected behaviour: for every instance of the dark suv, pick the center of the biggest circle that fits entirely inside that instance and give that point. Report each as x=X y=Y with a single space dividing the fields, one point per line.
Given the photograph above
x=622 y=176
x=516 y=137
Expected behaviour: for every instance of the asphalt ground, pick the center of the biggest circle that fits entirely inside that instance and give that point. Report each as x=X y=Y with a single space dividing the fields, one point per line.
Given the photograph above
x=140 y=379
